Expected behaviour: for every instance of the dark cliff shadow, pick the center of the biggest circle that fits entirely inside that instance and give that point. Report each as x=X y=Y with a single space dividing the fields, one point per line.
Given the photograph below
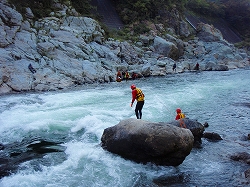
x=108 y=14
x=228 y=33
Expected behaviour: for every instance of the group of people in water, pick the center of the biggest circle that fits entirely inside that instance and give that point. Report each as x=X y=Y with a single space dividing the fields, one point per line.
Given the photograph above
x=125 y=76
x=139 y=96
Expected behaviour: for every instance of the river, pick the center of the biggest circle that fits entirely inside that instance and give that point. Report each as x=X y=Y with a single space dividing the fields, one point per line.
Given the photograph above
x=77 y=118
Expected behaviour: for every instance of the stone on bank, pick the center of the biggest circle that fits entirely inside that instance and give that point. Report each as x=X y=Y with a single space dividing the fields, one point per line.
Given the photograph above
x=143 y=141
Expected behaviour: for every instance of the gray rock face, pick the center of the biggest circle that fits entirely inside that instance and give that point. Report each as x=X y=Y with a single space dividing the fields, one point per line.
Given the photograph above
x=143 y=141
x=67 y=50
x=208 y=33
x=166 y=48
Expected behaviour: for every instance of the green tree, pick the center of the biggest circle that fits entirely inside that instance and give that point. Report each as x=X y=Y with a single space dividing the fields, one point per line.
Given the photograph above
x=84 y=7
x=137 y=10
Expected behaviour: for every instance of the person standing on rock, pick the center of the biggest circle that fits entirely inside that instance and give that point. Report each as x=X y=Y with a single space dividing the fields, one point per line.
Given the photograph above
x=174 y=67
x=31 y=69
x=137 y=95
x=197 y=66
x=179 y=117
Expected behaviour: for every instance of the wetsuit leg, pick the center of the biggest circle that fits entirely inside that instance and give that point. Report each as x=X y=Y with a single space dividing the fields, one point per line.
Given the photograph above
x=138 y=109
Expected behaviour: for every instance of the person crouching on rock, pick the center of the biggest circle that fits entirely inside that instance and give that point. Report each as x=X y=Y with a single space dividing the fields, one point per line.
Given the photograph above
x=179 y=117
x=137 y=95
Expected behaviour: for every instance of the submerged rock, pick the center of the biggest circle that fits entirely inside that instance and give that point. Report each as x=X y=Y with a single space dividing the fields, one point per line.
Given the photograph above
x=144 y=141
x=212 y=136
x=241 y=156
x=13 y=154
x=247 y=174
x=167 y=180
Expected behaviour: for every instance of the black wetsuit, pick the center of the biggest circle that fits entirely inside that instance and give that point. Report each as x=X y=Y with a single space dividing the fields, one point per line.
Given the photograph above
x=138 y=109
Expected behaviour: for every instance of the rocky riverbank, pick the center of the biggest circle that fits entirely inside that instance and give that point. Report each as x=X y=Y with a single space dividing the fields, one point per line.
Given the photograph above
x=66 y=50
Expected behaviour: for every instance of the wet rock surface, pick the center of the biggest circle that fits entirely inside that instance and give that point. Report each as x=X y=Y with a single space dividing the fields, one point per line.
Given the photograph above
x=143 y=141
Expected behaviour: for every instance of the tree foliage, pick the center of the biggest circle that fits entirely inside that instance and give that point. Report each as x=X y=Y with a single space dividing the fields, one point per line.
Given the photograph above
x=205 y=7
x=84 y=7
x=42 y=8
x=235 y=12
x=138 y=10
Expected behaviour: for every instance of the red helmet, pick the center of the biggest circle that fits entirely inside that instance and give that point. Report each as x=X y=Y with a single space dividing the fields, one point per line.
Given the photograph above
x=178 y=110
x=133 y=87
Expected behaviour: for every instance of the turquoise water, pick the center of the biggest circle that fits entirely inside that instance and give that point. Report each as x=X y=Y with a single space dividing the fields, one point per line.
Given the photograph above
x=78 y=117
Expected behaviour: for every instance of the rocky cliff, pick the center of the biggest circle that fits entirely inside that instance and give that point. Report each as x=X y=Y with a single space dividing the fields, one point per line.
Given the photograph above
x=65 y=50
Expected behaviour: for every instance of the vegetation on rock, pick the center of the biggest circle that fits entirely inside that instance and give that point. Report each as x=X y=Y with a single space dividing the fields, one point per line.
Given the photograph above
x=236 y=13
x=135 y=13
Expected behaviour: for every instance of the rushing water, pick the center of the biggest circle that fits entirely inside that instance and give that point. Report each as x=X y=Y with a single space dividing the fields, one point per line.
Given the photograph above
x=77 y=119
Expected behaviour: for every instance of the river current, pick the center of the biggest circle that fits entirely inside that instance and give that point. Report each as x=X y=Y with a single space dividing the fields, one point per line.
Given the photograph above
x=78 y=117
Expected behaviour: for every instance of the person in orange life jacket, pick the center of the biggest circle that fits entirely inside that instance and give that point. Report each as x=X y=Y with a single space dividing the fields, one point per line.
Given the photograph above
x=118 y=76
x=179 y=117
x=127 y=76
x=134 y=75
x=137 y=95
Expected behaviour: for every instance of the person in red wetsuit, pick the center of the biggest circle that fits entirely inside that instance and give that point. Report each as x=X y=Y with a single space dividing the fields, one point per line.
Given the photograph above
x=137 y=95
x=118 y=76
x=197 y=66
x=179 y=117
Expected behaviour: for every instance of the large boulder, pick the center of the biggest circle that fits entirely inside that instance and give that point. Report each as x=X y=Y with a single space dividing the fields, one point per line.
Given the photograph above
x=166 y=48
x=208 y=33
x=144 y=141
x=194 y=126
x=210 y=66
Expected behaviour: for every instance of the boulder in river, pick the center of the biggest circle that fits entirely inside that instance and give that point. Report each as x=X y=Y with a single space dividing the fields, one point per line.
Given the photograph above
x=241 y=156
x=144 y=141
x=212 y=136
x=194 y=126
